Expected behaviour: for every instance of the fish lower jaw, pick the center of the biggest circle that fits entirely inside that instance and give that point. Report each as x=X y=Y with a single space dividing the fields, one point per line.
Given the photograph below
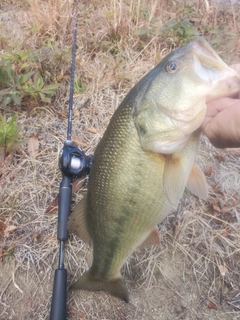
x=168 y=147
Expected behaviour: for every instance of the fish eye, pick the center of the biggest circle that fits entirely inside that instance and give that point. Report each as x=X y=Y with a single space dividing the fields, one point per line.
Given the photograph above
x=171 y=66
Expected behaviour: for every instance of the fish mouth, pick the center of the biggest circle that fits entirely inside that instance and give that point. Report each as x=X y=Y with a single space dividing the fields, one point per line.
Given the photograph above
x=205 y=52
x=208 y=58
x=223 y=80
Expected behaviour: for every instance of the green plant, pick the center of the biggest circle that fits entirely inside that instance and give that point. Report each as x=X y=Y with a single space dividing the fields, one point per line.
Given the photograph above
x=37 y=88
x=20 y=77
x=9 y=252
x=13 y=84
x=9 y=135
x=182 y=29
x=79 y=86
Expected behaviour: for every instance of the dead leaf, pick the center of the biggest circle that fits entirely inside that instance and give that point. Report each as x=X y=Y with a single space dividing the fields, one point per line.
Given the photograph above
x=91 y=130
x=216 y=207
x=82 y=315
x=217 y=186
x=2 y=225
x=76 y=113
x=7 y=231
x=220 y=202
x=228 y=264
x=79 y=143
x=236 y=196
x=176 y=231
x=51 y=239
x=62 y=115
x=223 y=270
x=33 y=145
x=212 y=305
x=43 y=142
x=222 y=194
x=1 y=255
x=226 y=233
x=228 y=216
x=53 y=207
x=225 y=209
x=220 y=157
x=209 y=172
x=77 y=184
x=38 y=237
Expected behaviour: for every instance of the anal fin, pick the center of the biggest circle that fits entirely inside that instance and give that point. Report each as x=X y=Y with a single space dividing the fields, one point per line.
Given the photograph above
x=197 y=183
x=77 y=222
x=152 y=239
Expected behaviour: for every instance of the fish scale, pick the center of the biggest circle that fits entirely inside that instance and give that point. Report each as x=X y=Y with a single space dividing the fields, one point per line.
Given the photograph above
x=121 y=191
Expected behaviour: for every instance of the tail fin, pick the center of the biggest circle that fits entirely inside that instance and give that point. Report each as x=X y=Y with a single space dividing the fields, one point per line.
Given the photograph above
x=115 y=287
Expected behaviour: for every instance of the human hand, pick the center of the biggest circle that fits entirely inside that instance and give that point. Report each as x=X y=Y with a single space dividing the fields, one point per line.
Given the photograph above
x=222 y=122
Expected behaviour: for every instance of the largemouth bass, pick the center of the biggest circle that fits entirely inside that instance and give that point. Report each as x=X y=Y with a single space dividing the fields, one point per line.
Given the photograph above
x=145 y=160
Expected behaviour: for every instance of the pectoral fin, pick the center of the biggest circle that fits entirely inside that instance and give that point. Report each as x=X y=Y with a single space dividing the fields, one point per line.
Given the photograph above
x=173 y=178
x=77 y=222
x=152 y=239
x=197 y=183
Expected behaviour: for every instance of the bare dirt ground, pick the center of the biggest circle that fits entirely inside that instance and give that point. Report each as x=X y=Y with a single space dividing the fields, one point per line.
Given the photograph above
x=193 y=274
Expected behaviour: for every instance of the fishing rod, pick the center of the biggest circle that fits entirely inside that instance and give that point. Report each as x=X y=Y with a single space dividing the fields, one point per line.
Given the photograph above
x=73 y=163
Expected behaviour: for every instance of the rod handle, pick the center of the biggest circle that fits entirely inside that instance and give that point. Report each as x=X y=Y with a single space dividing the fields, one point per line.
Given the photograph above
x=59 y=297
x=64 y=207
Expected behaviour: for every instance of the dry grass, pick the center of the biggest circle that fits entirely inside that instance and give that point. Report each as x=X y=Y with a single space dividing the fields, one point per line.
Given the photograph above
x=182 y=278
x=51 y=18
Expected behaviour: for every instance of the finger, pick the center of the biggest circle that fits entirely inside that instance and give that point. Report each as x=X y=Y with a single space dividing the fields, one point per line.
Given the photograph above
x=214 y=108
x=223 y=130
x=218 y=105
x=236 y=67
